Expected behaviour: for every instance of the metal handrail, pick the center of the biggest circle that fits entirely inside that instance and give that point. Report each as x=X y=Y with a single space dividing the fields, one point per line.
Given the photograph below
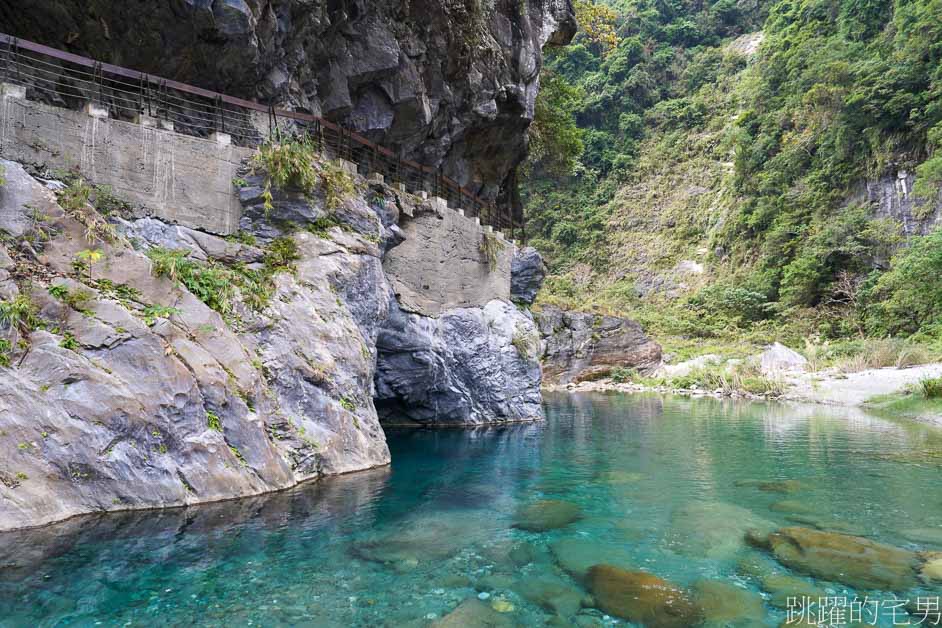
x=205 y=110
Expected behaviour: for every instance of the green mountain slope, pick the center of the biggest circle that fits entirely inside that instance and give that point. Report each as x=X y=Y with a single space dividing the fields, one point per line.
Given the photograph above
x=752 y=172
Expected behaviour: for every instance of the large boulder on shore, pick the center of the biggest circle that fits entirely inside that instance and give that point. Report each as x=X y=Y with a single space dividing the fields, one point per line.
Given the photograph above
x=778 y=358
x=582 y=346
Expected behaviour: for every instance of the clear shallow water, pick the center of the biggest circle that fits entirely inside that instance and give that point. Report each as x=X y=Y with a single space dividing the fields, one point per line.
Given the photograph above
x=655 y=478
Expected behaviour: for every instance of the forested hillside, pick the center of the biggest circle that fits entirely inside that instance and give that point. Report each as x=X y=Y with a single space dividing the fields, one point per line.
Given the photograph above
x=747 y=171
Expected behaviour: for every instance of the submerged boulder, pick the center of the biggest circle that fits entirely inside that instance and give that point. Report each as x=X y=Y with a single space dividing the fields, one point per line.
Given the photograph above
x=851 y=560
x=551 y=594
x=547 y=514
x=643 y=598
x=932 y=569
x=472 y=613
x=576 y=555
x=772 y=486
x=713 y=529
x=727 y=606
x=782 y=587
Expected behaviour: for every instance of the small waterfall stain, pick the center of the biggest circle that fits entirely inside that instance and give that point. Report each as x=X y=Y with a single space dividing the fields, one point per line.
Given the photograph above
x=89 y=139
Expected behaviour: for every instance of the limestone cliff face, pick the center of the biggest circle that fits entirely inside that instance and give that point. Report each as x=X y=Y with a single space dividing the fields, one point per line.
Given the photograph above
x=448 y=83
x=120 y=388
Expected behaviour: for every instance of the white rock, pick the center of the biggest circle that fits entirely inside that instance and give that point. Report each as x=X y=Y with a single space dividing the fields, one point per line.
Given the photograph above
x=778 y=358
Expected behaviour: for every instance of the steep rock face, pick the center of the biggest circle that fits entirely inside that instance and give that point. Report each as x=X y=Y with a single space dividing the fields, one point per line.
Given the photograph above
x=449 y=84
x=580 y=346
x=108 y=404
x=527 y=272
x=891 y=196
x=467 y=366
x=124 y=390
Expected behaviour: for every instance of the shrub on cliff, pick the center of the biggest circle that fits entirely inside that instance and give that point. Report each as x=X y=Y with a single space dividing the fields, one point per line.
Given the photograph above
x=294 y=163
x=908 y=298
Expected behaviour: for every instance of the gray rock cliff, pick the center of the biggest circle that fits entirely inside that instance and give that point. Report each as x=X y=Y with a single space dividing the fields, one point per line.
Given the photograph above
x=527 y=272
x=580 y=346
x=121 y=388
x=447 y=83
x=466 y=366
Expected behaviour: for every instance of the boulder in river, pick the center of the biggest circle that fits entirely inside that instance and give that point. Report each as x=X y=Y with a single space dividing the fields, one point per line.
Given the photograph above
x=932 y=569
x=642 y=598
x=576 y=555
x=726 y=606
x=472 y=613
x=547 y=514
x=713 y=529
x=851 y=560
x=773 y=486
x=551 y=594
x=781 y=587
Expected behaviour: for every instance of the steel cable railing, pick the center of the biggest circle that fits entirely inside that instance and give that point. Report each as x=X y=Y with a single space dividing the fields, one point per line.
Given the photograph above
x=65 y=79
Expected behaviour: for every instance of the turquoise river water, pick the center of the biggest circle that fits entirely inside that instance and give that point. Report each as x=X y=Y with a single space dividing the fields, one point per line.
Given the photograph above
x=666 y=485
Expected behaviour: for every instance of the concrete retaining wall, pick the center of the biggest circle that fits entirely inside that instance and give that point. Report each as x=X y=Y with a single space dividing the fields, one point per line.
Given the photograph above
x=188 y=180
x=440 y=265
x=178 y=178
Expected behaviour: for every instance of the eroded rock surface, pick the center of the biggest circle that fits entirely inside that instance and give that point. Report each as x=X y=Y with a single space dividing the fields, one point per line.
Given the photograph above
x=467 y=366
x=581 y=346
x=527 y=272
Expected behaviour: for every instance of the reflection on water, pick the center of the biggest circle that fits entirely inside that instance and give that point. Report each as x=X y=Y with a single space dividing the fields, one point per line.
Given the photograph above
x=667 y=485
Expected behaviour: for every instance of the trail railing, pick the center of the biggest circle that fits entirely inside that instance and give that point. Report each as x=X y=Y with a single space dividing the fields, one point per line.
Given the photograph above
x=65 y=79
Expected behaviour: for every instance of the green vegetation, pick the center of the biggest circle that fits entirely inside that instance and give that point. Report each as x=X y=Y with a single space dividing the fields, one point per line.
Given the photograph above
x=702 y=142
x=743 y=378
x=347 y=404
x=69 y=342
x=281 y=255
x=85 y=260
x=238 y=454
x=213 y=422
x=293 y=162
x=210 y=283
x=19 y=313
x=151 y=313
x=923 y=401
x=87 y=204
x=491 y=247
x=5 y=349
x=216 y=284
x=522 y=342
x=931 y=388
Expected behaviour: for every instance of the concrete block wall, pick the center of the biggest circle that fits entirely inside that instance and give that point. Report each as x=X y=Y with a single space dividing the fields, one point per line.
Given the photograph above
x=175 y=177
